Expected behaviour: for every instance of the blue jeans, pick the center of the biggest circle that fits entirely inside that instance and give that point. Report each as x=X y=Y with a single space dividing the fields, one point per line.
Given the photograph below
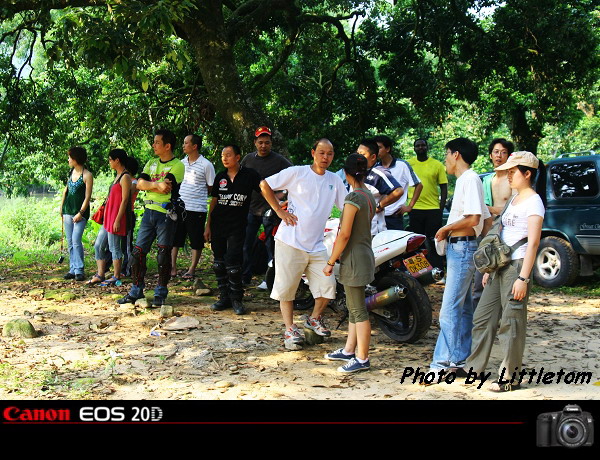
x=157 y=226
x=101 y=245
x=74 y=233
x=115 y=245
x=108 y=245
x=456 y=315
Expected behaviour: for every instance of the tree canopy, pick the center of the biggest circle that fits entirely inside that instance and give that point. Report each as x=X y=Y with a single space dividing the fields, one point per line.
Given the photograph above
x=104 y=73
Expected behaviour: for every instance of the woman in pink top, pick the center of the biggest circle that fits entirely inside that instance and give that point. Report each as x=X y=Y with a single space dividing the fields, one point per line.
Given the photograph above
x=133 y=168
x=115 y=220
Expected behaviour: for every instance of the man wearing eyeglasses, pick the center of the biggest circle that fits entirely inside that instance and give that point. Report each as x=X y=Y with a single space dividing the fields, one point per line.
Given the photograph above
x=496 y=192
x=496 y=188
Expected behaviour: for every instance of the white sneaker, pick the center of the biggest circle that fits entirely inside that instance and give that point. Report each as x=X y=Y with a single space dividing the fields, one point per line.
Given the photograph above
x=293 y=338
x=263 y=285
x=317 y=325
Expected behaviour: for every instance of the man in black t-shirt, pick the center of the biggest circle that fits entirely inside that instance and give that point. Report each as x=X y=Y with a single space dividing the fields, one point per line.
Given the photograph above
x=266 y=162
x=226 y=226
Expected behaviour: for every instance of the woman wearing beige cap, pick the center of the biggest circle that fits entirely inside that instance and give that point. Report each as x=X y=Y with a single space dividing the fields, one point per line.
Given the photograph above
x=503 y=304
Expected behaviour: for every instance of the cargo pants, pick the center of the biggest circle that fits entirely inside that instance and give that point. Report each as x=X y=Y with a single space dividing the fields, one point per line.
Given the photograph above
x=499 y=312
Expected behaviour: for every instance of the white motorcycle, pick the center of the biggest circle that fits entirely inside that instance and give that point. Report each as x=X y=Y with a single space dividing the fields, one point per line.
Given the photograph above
x=396 y=297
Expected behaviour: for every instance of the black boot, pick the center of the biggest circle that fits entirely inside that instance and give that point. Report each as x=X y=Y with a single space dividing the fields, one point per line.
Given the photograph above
x=236 y=289
x=223 y=285
x=138 y=266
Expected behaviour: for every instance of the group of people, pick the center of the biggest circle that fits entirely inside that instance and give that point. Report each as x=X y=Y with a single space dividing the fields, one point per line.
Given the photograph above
x=467 y=329
x=117 y=218
x=374 y=190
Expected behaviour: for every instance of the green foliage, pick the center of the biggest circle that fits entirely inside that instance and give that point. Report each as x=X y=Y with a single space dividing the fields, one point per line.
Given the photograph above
x=35 y=223
x=106 y=77
x=27 y=223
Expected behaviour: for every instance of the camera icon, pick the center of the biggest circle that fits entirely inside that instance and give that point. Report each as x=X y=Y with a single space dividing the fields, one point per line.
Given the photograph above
x=570 y=428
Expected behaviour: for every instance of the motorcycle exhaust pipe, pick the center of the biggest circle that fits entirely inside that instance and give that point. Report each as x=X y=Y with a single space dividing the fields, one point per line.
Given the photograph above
x=386 y=297
x=437 y=274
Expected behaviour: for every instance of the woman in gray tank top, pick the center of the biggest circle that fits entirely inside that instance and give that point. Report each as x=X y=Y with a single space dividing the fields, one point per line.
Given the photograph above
x=357 y=265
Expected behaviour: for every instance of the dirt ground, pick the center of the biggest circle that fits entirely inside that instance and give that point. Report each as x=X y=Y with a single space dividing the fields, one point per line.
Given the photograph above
x=92 y=348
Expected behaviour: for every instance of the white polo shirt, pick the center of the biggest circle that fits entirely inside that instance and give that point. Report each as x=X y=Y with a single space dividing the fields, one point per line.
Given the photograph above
x=198 y=176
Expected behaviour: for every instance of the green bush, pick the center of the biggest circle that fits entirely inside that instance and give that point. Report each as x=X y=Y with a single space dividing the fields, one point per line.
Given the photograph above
x=35 y=223
x=29 y=222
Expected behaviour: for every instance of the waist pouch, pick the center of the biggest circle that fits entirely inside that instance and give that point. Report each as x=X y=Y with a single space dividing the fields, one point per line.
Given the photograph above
x=493 y=254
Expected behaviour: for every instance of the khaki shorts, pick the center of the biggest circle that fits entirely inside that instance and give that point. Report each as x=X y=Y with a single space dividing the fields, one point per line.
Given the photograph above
x=291 y=264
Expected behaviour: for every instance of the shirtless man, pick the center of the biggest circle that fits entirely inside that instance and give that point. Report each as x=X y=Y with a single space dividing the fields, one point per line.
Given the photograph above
x=496 y=192
x=496 y=188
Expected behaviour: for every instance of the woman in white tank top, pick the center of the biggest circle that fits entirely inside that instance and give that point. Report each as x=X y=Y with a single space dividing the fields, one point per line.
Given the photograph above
x=503 y=305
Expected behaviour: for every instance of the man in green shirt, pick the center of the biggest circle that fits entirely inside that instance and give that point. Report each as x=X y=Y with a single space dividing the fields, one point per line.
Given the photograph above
x=160 y=180
x=426 y=214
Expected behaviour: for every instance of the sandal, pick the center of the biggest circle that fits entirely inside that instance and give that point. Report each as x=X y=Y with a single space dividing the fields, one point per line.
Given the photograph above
x=112 y=281
x=188 y=276
x=496 y=387
x=95 y=280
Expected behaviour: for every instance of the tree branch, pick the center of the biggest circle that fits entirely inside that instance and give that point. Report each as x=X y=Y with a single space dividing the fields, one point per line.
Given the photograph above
x=336 y=21
x=285 y=54
x=18 y=6
x=5 y=148
x=254 y=12
x=464 y=19
x=230 y=4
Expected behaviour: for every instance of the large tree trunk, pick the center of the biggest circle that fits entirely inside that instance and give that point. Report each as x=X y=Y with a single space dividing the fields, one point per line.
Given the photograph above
x=214 y=55
x=526 y=134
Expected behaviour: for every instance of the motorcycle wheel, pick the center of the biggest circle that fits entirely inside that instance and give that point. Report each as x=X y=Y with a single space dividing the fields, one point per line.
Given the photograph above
x=304 y=299
x=406 y=320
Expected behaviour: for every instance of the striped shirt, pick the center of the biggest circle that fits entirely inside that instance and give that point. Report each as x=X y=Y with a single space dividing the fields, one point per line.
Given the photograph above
x=403 y=172
x=379 y=182
x=198 y=176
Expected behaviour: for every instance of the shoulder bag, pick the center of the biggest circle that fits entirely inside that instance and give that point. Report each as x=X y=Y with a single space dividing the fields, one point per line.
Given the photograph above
x=492 y=253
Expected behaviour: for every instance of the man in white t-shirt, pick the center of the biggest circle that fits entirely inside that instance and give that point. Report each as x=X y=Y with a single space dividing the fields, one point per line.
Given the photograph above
x=404 y=174
x=299 y=249
x=194 y=190
x=465 y=223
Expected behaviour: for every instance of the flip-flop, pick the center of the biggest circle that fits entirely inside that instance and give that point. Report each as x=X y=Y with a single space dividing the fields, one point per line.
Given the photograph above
x=112 y=281
x=187 y=276
x=498 y=387
x=99 y=278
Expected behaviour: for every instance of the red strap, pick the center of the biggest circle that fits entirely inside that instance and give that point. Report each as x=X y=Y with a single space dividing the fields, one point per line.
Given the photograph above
x=371 y=214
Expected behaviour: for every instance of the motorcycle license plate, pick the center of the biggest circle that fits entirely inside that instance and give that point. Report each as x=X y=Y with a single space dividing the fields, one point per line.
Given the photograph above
x=417 y=264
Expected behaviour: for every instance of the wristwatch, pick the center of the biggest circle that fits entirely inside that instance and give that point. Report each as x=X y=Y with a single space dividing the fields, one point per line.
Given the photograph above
x=525 y=280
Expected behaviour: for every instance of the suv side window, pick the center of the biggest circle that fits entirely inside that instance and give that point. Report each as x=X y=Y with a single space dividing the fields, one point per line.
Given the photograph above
x=574 y=180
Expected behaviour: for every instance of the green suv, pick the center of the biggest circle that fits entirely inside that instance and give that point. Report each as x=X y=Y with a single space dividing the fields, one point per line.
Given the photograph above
x=570 y=245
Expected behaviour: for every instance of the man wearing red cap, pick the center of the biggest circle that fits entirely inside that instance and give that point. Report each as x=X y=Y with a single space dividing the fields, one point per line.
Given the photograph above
x=266 y=163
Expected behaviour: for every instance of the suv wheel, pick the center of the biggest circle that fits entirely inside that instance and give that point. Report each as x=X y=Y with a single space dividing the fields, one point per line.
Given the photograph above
x=556 y=263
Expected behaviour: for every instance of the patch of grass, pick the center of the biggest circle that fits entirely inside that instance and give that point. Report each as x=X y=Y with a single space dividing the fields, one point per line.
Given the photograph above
x=60 y=294
x=584 y=286
x=43 y=384
x=27 y=259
